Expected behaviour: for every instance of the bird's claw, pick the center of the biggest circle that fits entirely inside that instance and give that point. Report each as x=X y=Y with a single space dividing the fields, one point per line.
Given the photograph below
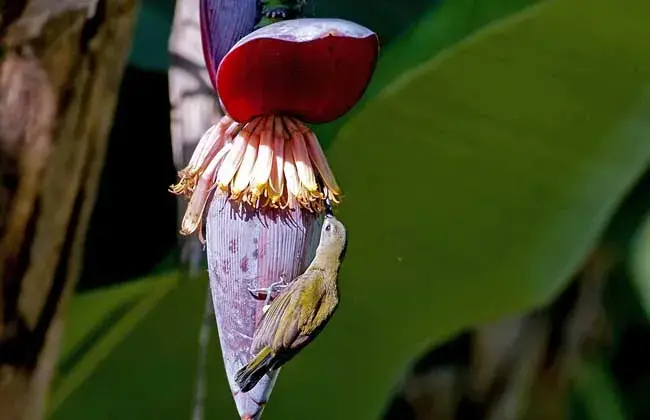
x=266 y=292
x=258 y=293
x=263 y=292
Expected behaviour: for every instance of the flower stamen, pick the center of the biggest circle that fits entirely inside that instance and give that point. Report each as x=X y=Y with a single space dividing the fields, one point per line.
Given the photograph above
x=235 y=156
x=193 y=213
x=290 y=173
x=270 y=161
x=245 y=171
x=209 y=144
x=263 y=164
x=301 y=157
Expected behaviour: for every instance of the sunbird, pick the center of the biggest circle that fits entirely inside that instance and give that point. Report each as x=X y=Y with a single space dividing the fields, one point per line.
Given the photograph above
x=300 y=312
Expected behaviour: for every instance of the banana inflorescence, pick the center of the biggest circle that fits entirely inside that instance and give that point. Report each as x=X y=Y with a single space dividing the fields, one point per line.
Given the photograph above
x=269 y=161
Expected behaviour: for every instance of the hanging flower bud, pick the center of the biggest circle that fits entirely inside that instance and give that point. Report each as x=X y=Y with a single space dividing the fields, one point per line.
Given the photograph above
x=261 y=170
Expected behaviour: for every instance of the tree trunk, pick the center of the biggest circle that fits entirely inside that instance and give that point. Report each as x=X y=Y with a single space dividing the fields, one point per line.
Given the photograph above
x=60 y=72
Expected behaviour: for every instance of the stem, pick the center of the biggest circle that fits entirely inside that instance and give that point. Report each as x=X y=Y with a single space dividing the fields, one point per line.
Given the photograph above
x=198 y=413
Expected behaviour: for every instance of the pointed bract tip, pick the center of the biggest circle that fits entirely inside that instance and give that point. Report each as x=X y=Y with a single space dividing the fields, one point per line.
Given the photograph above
x=257 y=415
x=251 y=405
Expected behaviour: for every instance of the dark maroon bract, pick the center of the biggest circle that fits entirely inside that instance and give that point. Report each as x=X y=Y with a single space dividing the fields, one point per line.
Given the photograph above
x=312 y=69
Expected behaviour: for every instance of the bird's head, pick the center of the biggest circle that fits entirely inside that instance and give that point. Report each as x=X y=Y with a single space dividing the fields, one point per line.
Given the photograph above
x=333 y=234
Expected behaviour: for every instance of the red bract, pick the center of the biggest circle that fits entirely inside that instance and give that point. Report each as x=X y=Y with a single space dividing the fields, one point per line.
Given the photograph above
x=311 y=69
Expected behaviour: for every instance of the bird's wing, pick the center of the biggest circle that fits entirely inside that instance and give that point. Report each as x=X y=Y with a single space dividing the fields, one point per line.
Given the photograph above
x=287 y=322
x=322 y=314
x=328 y=305
x=307 y=300
x=281 y=308
x=312 y=297
x=324 y=296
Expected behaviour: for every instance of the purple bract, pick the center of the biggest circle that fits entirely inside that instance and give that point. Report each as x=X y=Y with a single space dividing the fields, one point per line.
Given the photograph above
x=252 y=249
x=224 y=22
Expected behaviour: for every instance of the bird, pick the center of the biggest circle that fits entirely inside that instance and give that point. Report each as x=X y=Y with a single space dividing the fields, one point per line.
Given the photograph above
x=300 y=312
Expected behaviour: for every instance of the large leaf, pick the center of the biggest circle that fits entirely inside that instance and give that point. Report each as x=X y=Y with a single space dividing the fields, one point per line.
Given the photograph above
x=475 y=185
x=598 y=393
x=387 y=17
x=442 y=25
x=640 y=264
x=149 y=374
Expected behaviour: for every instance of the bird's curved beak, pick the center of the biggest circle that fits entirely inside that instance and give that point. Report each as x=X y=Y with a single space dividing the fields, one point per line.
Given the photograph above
x=328 y=209
x=328 y=205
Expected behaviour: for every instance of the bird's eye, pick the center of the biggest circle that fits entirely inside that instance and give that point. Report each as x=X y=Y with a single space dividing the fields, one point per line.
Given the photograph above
x=328 y=228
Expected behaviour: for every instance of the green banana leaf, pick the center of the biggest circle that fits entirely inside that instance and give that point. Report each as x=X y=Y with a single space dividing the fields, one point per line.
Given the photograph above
x=444 y=24
x=144 y=366
x=475 y=185
x=389 y=18
x=640 y=264
x=598 y=393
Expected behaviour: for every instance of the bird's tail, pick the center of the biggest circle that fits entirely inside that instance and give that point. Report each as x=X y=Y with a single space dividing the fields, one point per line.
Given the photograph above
x=248 y=376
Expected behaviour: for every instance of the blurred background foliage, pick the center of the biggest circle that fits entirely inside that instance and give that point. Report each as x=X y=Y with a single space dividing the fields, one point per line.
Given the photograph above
x=481 y=169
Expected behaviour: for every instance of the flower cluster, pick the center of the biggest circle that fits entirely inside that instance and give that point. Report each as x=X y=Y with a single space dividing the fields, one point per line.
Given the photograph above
x=269 y=161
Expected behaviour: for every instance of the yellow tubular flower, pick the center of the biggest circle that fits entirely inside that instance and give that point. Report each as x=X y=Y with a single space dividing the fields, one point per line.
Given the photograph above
x=270 y=161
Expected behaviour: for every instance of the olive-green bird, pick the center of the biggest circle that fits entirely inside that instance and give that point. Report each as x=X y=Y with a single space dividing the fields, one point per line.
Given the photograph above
x=301 y=311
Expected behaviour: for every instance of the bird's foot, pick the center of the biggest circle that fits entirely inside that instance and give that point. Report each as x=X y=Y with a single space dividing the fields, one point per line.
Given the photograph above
x=266 y=293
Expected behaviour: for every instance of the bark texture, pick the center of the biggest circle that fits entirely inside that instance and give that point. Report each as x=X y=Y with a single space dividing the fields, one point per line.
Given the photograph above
x=60 y=72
